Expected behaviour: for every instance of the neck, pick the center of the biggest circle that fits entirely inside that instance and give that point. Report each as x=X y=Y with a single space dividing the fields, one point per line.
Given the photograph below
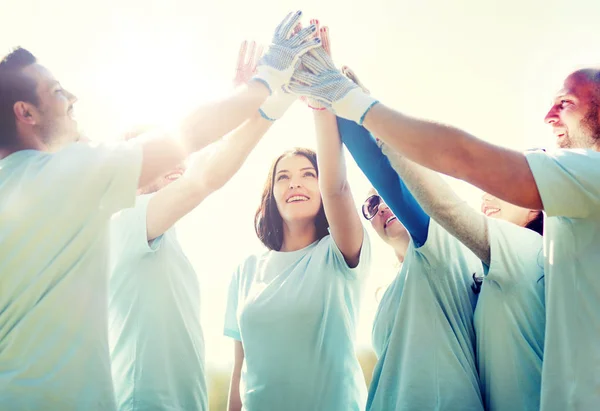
x=23 y=143
x=400 y=247
x=298 y=235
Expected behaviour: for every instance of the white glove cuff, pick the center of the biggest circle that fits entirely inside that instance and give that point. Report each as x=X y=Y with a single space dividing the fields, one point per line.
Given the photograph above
x=354 y=106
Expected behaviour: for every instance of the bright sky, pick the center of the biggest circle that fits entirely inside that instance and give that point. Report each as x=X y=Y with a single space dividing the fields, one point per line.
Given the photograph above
x=489 y=67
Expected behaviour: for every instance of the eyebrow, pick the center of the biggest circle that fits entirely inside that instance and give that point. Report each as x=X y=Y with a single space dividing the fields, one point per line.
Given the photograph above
x=302 y=169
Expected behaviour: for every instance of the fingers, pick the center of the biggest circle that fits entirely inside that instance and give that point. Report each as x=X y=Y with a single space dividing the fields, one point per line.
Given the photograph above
x=257 y=57
x=324 y=35
x=315 y=22
x=312 y=64
x=297 y=28
x=321 y=55
x=304 y=35
x=304 y=78
x=241 y=55
x=348 y=72
x=285 y=28
x=251 y=51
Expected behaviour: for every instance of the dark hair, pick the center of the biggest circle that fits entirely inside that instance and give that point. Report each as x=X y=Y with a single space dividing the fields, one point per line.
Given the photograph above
x=14 y=86
x=537 y=224
x=268 y=223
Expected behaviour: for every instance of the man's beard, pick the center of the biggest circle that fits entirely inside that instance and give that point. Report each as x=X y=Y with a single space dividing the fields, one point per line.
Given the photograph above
x=587 y=134
x=591 y=122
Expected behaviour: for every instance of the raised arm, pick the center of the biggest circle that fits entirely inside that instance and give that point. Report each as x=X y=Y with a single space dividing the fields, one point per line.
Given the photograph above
x=210 y=122
x=209 y=171
x=442 y=204
x=385 y=179
x=501 y=172
x=344 y=222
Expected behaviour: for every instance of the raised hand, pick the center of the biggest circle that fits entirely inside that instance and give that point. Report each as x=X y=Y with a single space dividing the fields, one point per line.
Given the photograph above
x=246 y=63
x=348 y=72
x=320 y=80
x=282 y=57
x=323 y=34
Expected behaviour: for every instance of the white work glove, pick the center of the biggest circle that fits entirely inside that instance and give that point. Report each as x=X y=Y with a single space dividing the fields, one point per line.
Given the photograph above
x=282 y=57
x=321 y=81
x=277 y=103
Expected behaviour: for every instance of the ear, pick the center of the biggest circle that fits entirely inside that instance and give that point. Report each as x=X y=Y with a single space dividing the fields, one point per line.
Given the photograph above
x=25 y=112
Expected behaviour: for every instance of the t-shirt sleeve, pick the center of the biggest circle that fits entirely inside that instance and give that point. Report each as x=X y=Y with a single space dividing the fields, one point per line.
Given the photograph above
x=514 y=251
x=129 y=230
x=232 y=328
x=364 y=262
x=440 y=244
x=568 y=182
x=101 y=178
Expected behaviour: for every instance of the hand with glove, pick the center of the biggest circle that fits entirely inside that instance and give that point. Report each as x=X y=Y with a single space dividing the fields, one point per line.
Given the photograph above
x=320 y=80
x=277 y=103
x=281 y=59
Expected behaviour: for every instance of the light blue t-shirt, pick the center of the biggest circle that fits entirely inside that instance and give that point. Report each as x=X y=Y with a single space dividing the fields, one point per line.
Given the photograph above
x=54 y=220
x=156 y=341
x=569 y=185
x=423 y=332
x=296 y=315
x=510 y=318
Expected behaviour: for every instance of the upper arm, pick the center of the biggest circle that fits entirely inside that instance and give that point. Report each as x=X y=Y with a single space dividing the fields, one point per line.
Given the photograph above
x=129 y=232
x=568 y=182
x=170 y=204
x=443 y=205
x=377 y=168
x=160 y=153
x=501 y=172
x=101 y=178
x=344 y=222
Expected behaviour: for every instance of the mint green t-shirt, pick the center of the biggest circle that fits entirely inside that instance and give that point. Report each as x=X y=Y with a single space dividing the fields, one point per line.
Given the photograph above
x=423 y=333
x=296 y=315
x=55 y=211
x=510 y=319
x=156 y=341
x=569 y=185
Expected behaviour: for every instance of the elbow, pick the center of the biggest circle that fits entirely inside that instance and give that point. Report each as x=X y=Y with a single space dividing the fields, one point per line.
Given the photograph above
x=335 y=190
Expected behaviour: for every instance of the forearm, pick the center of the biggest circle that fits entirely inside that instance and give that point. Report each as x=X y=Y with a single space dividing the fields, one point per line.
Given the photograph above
x=235 y=401
x=344 y=222
x=442 y=204
x=212 y=121
x=231 y=152
x=385 y=179
x=332 y=166
x=496 y=170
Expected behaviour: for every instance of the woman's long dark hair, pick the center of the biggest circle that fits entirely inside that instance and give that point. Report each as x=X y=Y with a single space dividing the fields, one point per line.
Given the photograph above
x=268 y=223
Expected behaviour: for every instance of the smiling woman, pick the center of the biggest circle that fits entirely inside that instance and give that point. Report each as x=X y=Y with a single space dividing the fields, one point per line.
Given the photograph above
x=293 y=178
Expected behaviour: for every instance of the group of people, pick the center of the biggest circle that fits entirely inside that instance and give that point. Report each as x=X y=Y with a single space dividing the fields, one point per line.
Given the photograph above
x=491 y=310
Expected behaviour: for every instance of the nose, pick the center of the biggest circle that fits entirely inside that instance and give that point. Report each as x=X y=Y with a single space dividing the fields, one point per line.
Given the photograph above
x=382 y=208
x=486 y=197
x=72 y=97
x=294 y=184
x=551 y=116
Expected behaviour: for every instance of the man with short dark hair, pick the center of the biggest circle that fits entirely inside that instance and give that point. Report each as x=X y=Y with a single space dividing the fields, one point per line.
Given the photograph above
x=56 y=199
